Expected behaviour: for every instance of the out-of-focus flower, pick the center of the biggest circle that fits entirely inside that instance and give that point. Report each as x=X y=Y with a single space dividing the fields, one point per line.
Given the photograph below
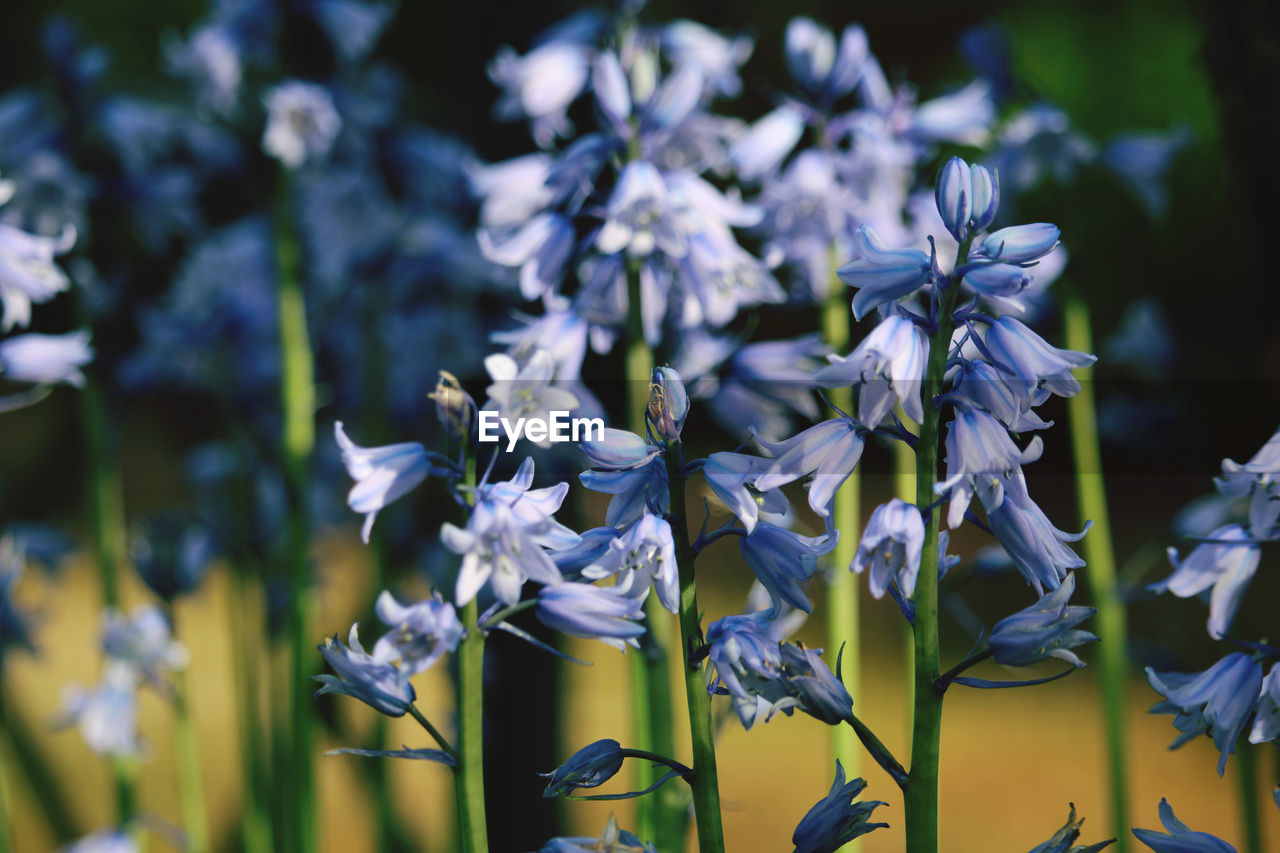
x=1179 y=837
x=420 y=633
x=15 y=627
x=46 y=359
x=589 y=767
x=104 y=841
x=107 y=715
x=612 y=840
x=731 y=477
x=172 y=554
x=1218 y=701
x=1043 y=630
x=1266 y=726
x=378 y=684
x=28 y=273
x=1226 y=564
x=302 y=123
x=144 y=641
x=526 y=390
x=836 y=819
x=890 y=547
x=541 y=84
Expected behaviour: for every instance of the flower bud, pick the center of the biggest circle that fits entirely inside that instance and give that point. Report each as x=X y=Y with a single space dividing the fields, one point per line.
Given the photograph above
x=985 y=200
x=589 y=767
x=954 y=197
x=1021 y=244
x=668 y=404
x=454 y=407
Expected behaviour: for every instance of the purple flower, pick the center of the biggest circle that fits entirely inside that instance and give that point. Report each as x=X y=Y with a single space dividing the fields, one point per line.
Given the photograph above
x=357 y=674
x=731 y=476
x=302 y=123
x=1219 y=700
x=1266 y=726
x=607 y=614
x=589 y=767
x=890 y=547
x=1045 y=629
x=888 y=367
x=829 y=451
x=1224 y=565
x=783 y=559
x=643 y=556
x=1180 y=838
x=46 y=359
x=836 y=820
x=420 y=633
x=883 y=275
x=382 y=474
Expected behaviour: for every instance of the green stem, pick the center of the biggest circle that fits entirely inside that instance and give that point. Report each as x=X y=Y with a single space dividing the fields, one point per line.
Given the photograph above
x=195 y=822
x=705 y=782
x=904 y=487
x=1100 y=569
x=842 y=585
x=18 y=742
x=298 y=407
x=475 y=832
x=921 y=800
x=1247 y=773
x=246 y=639
x=440 y=739
x=6 y=825
x=661 y=817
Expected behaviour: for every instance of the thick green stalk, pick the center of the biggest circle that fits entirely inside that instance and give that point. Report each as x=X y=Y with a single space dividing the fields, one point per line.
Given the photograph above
x=904 y=487
x=660 y=817
x=1100 y=569
x=195 y=822
x=842 y=585
x=298 y=408
x=921 y=794
x=469 y=773
x=705 y=782
x=6 y=825
x=1250 y=816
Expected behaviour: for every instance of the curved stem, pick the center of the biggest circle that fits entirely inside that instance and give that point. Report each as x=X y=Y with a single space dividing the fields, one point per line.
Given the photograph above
x=507 y=612
x=685 y=772
x=879 y=751
x=440 y=739
x=705 y=783
x=1100 y=569
x=921 y=799
x=972 y=660
x=842 y=622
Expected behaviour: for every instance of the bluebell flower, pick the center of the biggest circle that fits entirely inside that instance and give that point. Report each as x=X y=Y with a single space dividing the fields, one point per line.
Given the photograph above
x=352 y=26
x=717 y=58
x=1226 y=564
x=1179 y=837
x=1020 y=244
x=981 y=455
x=210 y=57
x=1034 y=544
x=764 y=145
x=783 y=559
x=1043 y=630
x=541 y=85
x=28 y=273
x=822 y=69
x=745 y=663
x=143 y=641
x=963 y=117
x=1142 y=160
x=1259 y=481
x=507 y=537
x=668 y=404
x=45 y=359
x=643 y=556
x=302 y=123
x=888 y=367
x=731 y=477
x=990 y=389
x=1218 y=701
x=420 y=633
x=107 y=715
x=382 y=474
x=357 y=674
x=1034 y=367
x=953 y=195
x=104 y=841
x=1266 y=725
x=589 y=767
x=629 y=468
x=836 y=819
x=994 y=280
x=528 y=390
x=883 y=275
x=818 y=691
x=609 y=614
x=829 y=451
x=1064 y=839
x=612 y=839
x=725 y=277
x=640 y=217
x=890 y=548
x=1040 y=141
x=539 y=248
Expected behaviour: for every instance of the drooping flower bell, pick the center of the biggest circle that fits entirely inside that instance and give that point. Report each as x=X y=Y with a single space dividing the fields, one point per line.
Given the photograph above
x=1043 y=630
x=891 y=547
x=1218 y=701
x=1180 y=838
x=836 y=819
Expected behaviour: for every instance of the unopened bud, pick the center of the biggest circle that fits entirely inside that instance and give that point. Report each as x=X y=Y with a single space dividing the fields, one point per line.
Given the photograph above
x=668 y=404
x=454 y=407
